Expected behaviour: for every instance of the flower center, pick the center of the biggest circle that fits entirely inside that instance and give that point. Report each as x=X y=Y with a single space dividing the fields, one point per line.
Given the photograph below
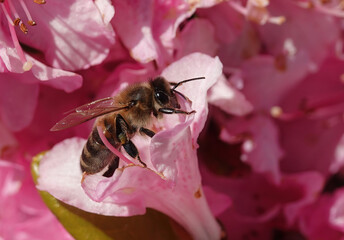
x=14 y=20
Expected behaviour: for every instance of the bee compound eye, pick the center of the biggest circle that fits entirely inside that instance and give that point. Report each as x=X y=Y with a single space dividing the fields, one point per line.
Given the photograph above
x=162 y=97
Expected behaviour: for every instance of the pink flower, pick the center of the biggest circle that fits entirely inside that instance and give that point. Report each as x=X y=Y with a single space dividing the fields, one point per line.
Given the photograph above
x=170 y=184
x=316 y=117
x=324 y=218
x=148 y=28
x=22 y=211
x=87 y=44
x=259 y=205
x=68 y=41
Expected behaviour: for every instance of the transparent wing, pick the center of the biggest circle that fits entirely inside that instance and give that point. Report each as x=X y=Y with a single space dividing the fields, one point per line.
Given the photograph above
x=87 y=112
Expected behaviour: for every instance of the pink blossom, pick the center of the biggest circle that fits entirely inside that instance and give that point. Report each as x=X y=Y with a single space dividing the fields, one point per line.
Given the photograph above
x=172 y=181
x=148 y=29
x=323 y=218
x=258 y=203
x=22 y=211
x=87 y=43
x=260 y=149
x=319 y=132
x=71 y=53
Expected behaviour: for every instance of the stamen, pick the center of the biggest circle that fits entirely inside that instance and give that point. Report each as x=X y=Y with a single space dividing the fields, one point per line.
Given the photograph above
x=277 y=20
x=328 y=8
x=277 y=112
x=27 y=12
x=256 y=11
x=13 y=10
x=256 y=14
x=6 y=13
x=317 y=109
x=5 y=8
x=10 y=13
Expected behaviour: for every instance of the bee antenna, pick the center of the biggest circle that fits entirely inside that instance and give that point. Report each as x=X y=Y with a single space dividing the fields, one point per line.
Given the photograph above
x=184 y=81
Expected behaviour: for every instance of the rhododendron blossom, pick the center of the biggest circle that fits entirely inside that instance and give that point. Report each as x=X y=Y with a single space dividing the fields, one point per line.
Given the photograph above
x=260 y=158
x=170 y=183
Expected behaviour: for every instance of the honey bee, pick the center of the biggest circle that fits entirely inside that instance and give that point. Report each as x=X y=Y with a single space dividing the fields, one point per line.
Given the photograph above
x=121 y=117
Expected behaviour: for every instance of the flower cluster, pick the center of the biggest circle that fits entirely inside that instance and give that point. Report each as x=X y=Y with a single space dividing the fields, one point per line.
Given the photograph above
x=262 y=156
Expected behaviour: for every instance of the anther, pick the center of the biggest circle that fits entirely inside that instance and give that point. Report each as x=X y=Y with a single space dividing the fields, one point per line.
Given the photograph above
x=27 y=66
x=276 y=111
x=39 y=1
x=277 y=20
x=1 y=1
x=23 y=28
x=16 y=21
x=31 y=23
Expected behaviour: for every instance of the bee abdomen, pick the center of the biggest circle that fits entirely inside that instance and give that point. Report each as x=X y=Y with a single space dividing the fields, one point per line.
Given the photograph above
x=95 y=156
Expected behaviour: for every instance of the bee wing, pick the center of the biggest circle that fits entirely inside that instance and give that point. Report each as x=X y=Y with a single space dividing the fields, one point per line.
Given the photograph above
x=87 y=112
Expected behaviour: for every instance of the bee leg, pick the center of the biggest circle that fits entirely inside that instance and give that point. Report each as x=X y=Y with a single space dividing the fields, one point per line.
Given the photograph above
x=147 y=132
x=112 y=167
x=122 y=135
x=173 y=110
x=131 y=149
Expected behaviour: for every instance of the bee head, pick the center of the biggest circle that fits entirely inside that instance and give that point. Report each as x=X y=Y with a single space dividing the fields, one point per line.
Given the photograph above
x=164 y=95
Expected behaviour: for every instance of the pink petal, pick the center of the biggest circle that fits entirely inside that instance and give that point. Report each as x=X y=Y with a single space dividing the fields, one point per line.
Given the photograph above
x=7 y=142
x=295 y=29
x=336 y=217
x=149 y=32
x=226 y=21
x=311 y=184
x=228 y=98
x=184 y=200
x=339 y=157
x=191 y=66
x=244 y=47
x=39 y=72
x=23 y=212
x=323 y=219
x=106 y=10
x=260 y=147
x=56 y=78
x=319 y=133
x=54 y=174
x=265 y=84
x=72 y=36
x=133 y=21
x=197 y=36
x=17 y=101
x=218 y=202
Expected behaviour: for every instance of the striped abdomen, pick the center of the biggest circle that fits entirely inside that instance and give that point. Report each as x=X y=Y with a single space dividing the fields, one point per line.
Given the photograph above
x=95 y=155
